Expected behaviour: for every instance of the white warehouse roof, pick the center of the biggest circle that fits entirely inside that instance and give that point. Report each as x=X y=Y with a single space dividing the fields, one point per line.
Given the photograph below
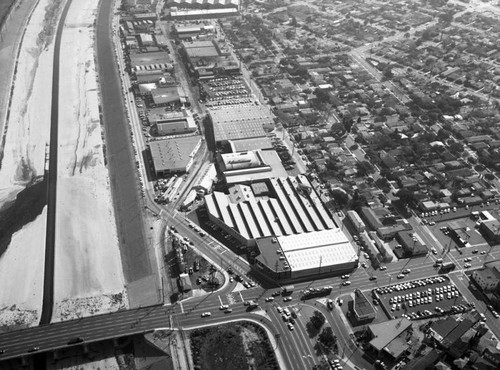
x=310 y=250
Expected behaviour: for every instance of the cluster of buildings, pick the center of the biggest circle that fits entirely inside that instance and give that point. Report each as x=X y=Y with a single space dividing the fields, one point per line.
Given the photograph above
x=200 y=9
x=488 y=280
x=454 y=342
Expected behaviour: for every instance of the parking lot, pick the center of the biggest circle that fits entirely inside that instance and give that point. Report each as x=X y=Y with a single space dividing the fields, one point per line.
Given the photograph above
x=225 y=91
x=421 y=298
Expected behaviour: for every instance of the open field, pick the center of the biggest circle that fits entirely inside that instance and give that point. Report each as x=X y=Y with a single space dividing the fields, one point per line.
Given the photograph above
x=232 y=346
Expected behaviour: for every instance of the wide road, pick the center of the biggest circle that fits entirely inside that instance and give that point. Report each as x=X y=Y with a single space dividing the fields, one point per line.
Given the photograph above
x=50 y=236
x=294 y=345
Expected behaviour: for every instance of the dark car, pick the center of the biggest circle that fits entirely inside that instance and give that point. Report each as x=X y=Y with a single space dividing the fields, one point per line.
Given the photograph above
x=33 y=349
x=373 y=278
x=75 y=340
x=2 y=351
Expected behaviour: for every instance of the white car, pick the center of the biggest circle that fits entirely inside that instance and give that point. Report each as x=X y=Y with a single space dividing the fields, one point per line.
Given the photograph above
x=382 y=268
x=223 y=307
x=346 y=283
x=467 y=265
x=345 y=276
x=290 y=326
x=269 y=299
x=206 y=314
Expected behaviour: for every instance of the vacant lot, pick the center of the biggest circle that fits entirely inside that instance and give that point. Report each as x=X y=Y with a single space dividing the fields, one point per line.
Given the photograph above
x=232 y=346
x=4 y=8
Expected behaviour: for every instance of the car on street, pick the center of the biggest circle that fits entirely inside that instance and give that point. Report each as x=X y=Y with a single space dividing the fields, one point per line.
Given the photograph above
x=276 y=293
x=363 y=265
x=290 y=326
x=382 y=268
x=287 y=299
x=329 y=304
x=467 y=259
x=483 y=252
x=2 y=351
x=206 y=314
x=229 y=310
x=475 y=251
x=345 y=276
x=33 y=349
x=279 y=309
x=347 y=282
x=406 y=271
x=231 y=279
x=223 y=307
x=434 y=251
x=467 y=265
x=400 y=276
x=269 y=299
x=494 y=313
x=373 y=278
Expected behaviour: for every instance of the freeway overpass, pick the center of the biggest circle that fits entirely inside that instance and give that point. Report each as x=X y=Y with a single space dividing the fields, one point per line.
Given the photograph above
x=187 y=314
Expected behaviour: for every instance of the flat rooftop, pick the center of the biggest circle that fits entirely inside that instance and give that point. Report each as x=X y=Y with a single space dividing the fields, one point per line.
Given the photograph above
x=200 y=49
x=321 y=248
x=240 y=122
x=250 y=144
x=173 y=154
x=271 y=167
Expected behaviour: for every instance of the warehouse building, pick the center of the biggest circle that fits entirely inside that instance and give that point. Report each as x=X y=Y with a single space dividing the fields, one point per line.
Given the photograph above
x=247 y=167
x=202 y=4
x=356 y=221
x=240 y=123
x=208 y=58
x=173 y=123
x=174 y=155
x=292 y=207
x=166 y=95
x=301 y=256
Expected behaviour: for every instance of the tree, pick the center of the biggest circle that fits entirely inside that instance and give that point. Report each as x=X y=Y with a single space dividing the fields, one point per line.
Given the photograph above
x=364 y=168
x=327 y=338
x=406 y=196
x=340 y=197
x=318 y=319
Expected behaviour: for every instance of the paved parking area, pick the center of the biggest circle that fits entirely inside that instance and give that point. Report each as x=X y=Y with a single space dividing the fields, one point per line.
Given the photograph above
x=422 y=298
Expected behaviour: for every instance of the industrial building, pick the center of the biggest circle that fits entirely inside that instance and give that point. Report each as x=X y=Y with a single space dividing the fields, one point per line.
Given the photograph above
x=291 y=207
x=202 y=4
x=301 y=256
x=236 y=123
x=173 y=123
x=166 y=95
x=209 y=58
x=247 y=167
x=356 y=221
x=191 y=30
x=174 y=155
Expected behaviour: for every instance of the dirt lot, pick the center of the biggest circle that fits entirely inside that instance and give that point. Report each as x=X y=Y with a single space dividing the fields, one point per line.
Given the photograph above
x=232 y=346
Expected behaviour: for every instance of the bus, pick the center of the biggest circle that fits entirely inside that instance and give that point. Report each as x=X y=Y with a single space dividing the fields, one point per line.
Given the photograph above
x=446 y=267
